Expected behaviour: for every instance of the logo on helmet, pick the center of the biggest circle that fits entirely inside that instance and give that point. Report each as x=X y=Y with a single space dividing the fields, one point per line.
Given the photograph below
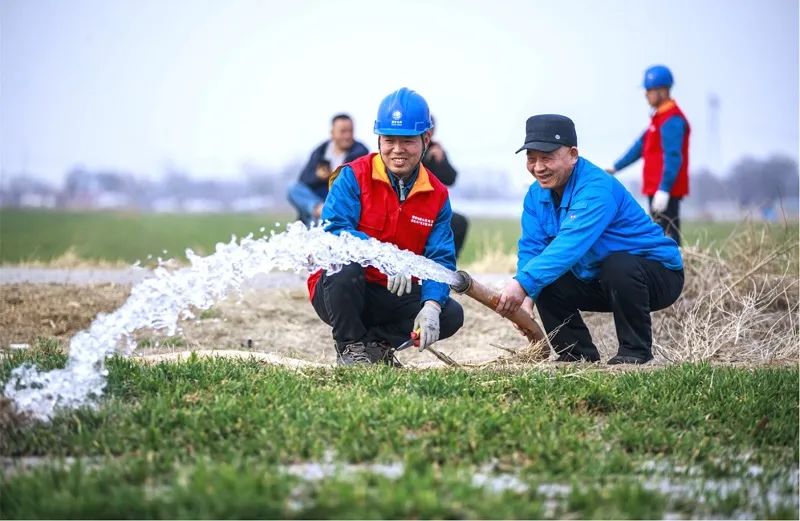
x=397 y=120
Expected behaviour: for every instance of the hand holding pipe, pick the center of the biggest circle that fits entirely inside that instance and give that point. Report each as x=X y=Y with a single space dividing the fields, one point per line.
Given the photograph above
x=489 y=298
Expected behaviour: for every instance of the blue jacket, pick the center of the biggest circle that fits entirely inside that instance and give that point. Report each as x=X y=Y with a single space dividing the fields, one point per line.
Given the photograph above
x=308 y=176
x=597 y=216
x=672 y=132
x=342 y=210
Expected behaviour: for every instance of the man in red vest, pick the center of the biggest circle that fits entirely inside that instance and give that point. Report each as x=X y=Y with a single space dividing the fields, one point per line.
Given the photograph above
x=664 y=146
x=392 y=197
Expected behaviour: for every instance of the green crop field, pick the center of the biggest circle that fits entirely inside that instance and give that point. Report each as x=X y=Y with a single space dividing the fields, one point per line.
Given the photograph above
x=215 y=438
x=27 y=236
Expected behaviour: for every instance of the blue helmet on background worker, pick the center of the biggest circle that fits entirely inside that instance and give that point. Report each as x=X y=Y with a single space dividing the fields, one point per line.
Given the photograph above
x=657 y=76
x=403 y=113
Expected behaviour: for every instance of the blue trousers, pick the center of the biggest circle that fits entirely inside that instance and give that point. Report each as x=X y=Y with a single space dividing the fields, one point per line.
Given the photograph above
x=304 y=200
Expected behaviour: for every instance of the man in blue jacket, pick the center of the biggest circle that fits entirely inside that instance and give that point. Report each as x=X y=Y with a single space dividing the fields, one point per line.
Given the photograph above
x=587 y=245
x=308 y=194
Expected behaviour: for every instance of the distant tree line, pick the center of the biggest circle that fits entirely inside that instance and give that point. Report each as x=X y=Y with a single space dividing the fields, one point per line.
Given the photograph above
x=752 y=182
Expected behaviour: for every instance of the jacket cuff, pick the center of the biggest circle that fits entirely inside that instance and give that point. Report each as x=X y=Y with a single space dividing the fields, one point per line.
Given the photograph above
x=665 y=188
x=528 y=284
x=436 y=291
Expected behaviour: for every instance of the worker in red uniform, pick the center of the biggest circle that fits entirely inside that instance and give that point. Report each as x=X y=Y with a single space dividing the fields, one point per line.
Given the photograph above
x=392 y=197
x=664 y=147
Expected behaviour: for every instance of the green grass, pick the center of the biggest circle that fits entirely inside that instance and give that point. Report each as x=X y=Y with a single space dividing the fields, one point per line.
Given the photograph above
x=33 y=235
x=29 y=235
x=208 y=437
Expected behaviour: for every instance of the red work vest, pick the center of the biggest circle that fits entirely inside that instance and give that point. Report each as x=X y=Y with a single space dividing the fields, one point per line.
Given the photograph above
x=407 y=225
x=653 y=154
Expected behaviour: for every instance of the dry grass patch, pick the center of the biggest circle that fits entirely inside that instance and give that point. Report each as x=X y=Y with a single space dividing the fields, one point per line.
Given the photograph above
x=30 y=311
x=739 y=303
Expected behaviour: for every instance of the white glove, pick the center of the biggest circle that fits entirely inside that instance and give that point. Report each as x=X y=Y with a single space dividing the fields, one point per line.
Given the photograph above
x=427 y=322
x=399 y=285
x=660 y=201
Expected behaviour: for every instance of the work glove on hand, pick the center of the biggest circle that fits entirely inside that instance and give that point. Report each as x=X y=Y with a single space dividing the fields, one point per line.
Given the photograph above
x=660 y=201
x=399 y=285
x=427 y=322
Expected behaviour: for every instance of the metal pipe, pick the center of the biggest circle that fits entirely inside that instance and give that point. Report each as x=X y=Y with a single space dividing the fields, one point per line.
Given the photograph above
x=489 y=298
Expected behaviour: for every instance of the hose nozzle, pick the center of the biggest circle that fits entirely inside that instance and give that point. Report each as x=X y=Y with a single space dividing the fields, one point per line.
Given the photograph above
x=464 y=282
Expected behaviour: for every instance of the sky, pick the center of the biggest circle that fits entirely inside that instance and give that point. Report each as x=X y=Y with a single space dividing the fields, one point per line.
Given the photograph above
x=208 y=86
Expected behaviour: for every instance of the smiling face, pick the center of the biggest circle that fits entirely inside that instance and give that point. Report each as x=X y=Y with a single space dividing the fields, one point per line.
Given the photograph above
x=402 y=154
x=552 y=169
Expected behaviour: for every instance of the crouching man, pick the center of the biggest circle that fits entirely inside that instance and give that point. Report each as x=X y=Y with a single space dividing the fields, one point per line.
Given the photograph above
x=392 y=197
x=587 y=245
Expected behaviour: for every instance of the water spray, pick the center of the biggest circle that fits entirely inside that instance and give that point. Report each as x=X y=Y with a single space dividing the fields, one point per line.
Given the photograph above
x=170 y=295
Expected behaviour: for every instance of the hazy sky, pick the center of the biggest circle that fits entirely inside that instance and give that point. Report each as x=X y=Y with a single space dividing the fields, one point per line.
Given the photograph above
x=210 y=85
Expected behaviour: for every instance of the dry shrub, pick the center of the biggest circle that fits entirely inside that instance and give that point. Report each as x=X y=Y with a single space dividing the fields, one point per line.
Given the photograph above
x=535 y=353
x=739 y=302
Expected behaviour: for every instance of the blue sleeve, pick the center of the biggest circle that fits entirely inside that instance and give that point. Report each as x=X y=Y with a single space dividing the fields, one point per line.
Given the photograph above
x=533 y=239
x=441 y=249
x=632 y=155
x=342 y=208
x=672 y=131
x=586 y=220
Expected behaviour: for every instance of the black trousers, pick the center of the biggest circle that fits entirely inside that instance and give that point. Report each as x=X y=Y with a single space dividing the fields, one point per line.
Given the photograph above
x=459 y=225
x=629 y=286
x=669 y=219
x=362 y=311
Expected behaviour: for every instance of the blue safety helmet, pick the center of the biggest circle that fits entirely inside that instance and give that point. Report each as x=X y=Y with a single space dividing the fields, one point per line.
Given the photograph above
x=403 y=113
x=657 y=76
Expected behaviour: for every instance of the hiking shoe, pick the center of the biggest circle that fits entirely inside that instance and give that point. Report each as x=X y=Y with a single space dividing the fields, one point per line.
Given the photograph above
x=353 y=353
x=625 y=359
x=387 y=353
x=569 y=357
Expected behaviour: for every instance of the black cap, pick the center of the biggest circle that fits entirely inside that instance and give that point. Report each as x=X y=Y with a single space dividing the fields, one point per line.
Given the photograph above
x=547 y=132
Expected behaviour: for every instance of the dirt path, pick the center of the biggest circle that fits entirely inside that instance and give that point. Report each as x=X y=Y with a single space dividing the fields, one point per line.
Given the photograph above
x=272 y=320
x=274 y=317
